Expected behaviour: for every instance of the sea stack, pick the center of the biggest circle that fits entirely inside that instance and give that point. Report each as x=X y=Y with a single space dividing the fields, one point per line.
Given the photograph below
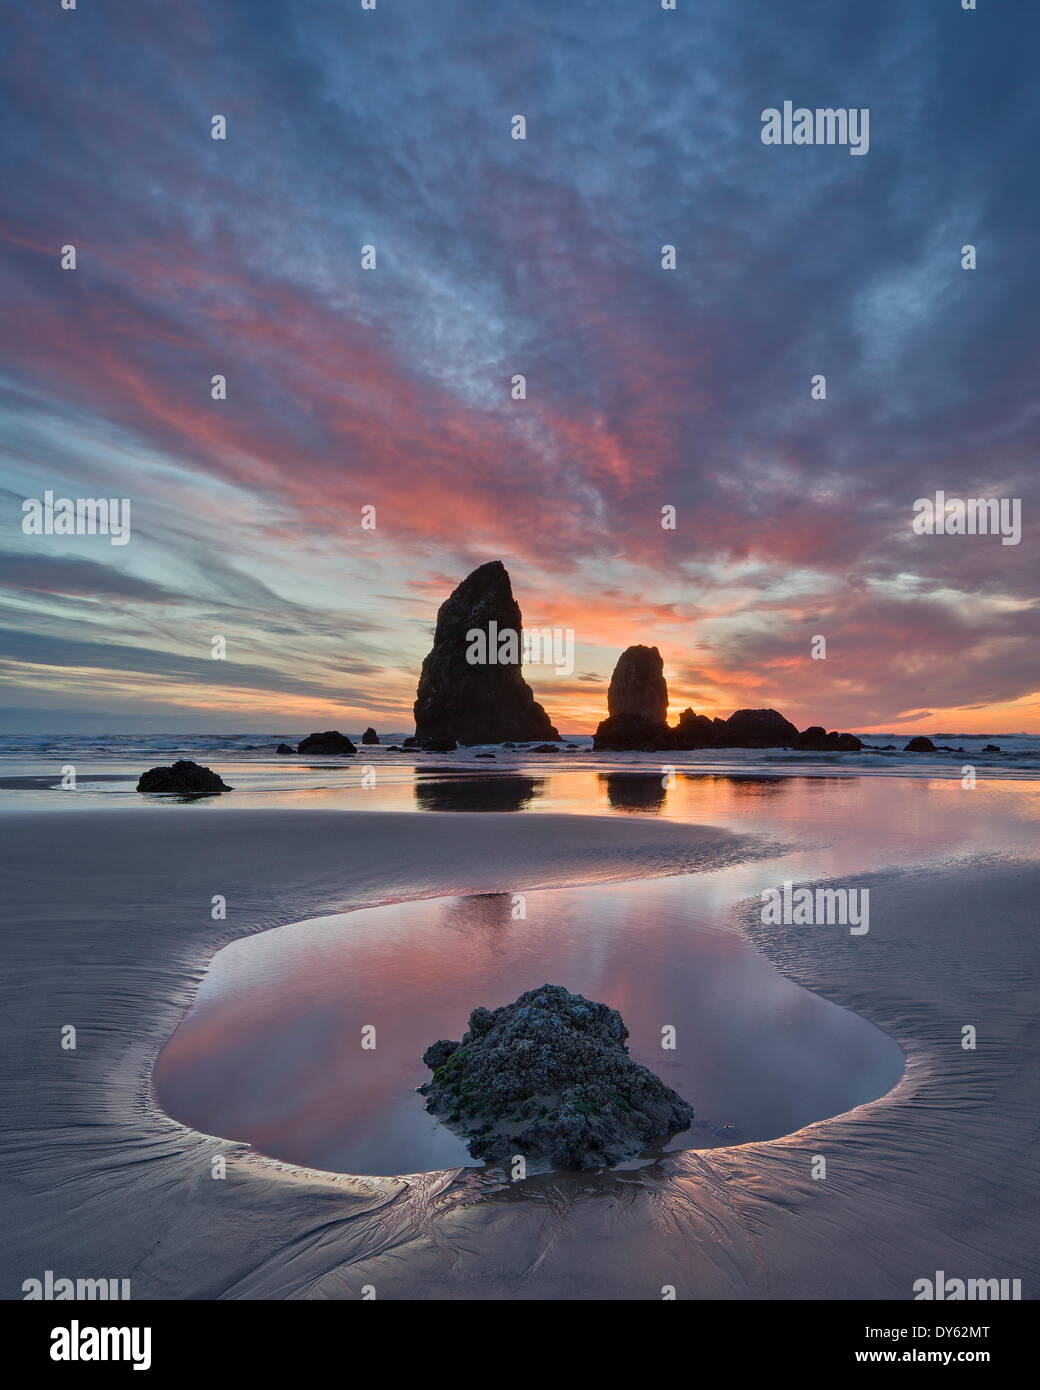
x=478 y=701
x=637 y=707
x=638 y=685
x=549 y=1076
x=637 y=704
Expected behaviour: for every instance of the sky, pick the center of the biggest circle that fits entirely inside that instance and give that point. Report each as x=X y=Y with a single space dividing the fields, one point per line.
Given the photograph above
x=390 y=387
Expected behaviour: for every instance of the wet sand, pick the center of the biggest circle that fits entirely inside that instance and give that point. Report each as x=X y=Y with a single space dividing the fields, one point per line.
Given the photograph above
x=108 y=928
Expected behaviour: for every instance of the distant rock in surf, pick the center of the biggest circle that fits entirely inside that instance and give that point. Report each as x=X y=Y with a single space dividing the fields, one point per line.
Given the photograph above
x=184 y=778
x=816 y=739
x=991 y=748
x=331 y=741
x=285 y=748
x=920 y=745
x=478 y=701
x=370 y=736
x=757 y=728
x=549 y=1077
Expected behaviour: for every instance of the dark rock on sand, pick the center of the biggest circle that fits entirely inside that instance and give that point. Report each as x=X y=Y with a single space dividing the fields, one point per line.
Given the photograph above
x=550 y=1077
x=437 y=745
x=285 y=748
x=920 y=745
x=477 y=702
x=331 y=741
x=370 y=736
x=183 y=778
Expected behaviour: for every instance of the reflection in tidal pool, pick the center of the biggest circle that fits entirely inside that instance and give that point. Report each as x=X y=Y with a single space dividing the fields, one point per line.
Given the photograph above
x=271 y=1052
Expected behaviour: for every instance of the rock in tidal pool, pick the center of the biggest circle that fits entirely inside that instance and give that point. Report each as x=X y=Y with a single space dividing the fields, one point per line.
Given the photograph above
x=184 y=778
x=550 y=1077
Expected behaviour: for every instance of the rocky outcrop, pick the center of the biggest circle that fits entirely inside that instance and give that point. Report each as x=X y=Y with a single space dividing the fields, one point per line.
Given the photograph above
x=816 y=739
x=637 y=705
x=631 y=733
x=696 y=731
x=370 y=736
x=285 y=748
x=746 y=728
x=757 y=728
x=920 y=745
x=638 y=685
x=184 y=778
x=481 y=700
x=321 y=745
x=550 y=1077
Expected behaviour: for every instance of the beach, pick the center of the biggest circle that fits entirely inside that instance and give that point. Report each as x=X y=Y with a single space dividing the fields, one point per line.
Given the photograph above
x=110 y=929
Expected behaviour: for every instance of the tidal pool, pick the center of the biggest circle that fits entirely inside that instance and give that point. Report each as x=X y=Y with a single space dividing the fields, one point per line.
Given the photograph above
x=272 y=1051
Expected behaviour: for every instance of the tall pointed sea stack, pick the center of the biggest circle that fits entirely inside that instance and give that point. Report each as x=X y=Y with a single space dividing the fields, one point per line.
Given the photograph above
x=478 y=702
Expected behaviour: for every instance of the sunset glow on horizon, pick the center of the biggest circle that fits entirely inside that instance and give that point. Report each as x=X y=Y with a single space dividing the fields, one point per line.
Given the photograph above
x=390 y=388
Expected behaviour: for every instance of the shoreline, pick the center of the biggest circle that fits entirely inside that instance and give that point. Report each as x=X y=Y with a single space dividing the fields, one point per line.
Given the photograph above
x=108 y=1154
